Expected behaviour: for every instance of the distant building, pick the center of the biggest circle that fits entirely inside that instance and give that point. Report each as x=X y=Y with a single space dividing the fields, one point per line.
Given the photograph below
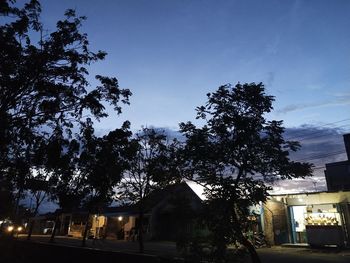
x=168 y=212
x=338 y=173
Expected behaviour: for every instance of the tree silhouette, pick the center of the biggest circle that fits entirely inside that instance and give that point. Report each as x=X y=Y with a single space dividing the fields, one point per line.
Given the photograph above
x=44 y=86
x=102 y=162
x=150 y=169
x=233 y=156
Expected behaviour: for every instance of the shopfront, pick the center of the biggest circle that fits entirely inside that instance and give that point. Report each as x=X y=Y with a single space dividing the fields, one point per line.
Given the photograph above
x=312 y=218
x=317 y=224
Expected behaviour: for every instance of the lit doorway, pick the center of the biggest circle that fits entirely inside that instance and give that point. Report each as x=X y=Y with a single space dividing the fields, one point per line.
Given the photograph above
x=298 y=224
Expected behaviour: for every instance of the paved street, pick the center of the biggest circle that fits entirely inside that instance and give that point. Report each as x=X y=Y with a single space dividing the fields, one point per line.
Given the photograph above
x=302 y=255
x=163 y=248
x=168 y=249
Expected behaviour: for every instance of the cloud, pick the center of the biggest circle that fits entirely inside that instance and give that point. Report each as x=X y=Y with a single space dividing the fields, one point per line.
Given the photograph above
x=338 y=100
x=170 y=133
x=313 y=184
x=319 y=145
x=319 y=141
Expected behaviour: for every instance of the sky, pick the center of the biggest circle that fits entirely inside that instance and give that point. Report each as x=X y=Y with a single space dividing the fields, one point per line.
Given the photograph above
x=170 y=53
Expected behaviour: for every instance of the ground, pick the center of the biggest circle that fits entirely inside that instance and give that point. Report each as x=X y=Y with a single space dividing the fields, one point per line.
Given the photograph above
x=168 y=249
x=302 y=255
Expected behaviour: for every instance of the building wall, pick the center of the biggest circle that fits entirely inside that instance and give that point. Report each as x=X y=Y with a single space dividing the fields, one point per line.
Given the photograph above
x=338 y=176
x=128 y=227
x=338 y=173
x=41 y=225
x=174 y=217
x=113 y=228
x=345 y=209
x=98 y=226
x=276 y=222
x=77 y=225
x=315 y=198
x=276 y=210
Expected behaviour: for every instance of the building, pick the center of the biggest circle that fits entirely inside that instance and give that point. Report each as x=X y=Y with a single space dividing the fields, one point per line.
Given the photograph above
x=338 y=173
x=321 y=218
x=163 y=218
x=316 y=218
x=168 y=212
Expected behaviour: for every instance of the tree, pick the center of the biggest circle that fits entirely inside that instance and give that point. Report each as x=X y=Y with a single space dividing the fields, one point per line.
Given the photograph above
x=44 y=85
x=233 y=156
x=149 y=170
x=102 y=162
x=39 y=191
x=61 y=158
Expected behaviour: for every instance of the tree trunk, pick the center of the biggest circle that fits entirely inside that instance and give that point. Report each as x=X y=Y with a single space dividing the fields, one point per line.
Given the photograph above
x=31 y=227
x=253 y=254
x=18 y=198
x=140 y=231
x=53 y=234
x=251 y=249
x=86 y=229
x=32 y=223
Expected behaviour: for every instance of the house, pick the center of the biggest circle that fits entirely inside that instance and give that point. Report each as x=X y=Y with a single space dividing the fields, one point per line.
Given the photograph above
x=168 y=212
x=44 y=224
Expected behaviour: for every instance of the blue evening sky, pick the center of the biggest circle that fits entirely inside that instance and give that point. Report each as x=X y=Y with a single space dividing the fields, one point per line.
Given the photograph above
x=170 y=53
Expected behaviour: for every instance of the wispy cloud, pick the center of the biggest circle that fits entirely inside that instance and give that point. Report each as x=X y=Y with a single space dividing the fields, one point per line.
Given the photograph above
x=335 y=101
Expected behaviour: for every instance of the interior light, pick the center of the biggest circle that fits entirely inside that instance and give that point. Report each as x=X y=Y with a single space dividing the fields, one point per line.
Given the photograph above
x=120 y=218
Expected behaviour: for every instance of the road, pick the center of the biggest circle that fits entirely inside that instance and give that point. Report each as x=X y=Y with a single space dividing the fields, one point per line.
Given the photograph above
x=164 y=248
x=274 y=254
x=303 y=255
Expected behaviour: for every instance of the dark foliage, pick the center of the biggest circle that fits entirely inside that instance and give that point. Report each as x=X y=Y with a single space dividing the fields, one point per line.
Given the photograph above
x=150 y=168
x=233 y=156
x=45 y=92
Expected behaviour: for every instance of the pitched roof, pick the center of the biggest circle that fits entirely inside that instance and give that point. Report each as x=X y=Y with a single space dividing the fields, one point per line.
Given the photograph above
x=154 y=198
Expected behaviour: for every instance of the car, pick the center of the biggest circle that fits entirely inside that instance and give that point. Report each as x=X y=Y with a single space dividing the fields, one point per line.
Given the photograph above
x=8 y=229
x=15 y=228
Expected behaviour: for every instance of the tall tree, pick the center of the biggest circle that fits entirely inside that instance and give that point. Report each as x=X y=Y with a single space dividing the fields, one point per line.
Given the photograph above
x=39 y=191
x=149 y=170
x=62 y=165
x=102 y=162
x=234 y=155
x=44 y=84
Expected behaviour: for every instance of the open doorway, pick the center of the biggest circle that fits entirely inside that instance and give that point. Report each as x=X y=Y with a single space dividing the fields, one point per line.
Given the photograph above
x=298 y=224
